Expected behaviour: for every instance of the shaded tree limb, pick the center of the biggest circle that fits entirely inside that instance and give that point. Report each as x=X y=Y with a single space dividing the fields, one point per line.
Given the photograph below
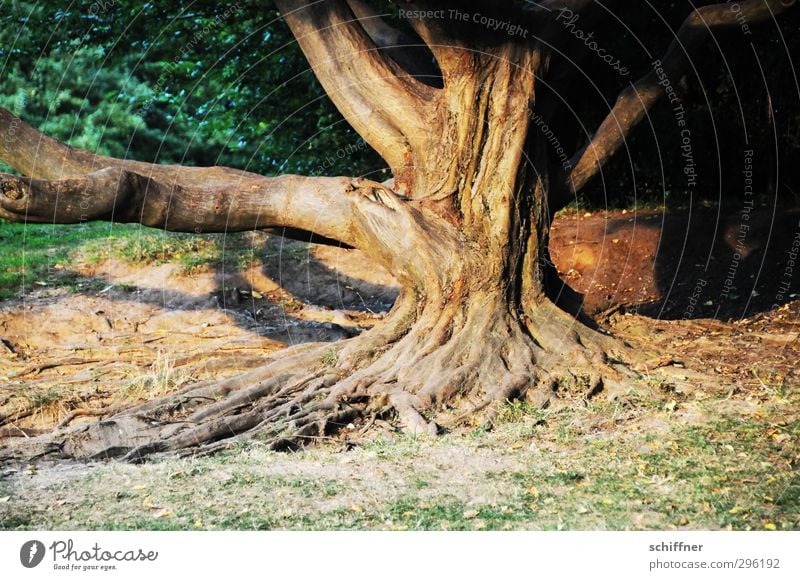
x=634 y=102
x=407 y=50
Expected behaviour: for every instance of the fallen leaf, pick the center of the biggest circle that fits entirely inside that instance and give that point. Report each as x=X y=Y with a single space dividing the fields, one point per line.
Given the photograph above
x=4 y=499
x=469 y=514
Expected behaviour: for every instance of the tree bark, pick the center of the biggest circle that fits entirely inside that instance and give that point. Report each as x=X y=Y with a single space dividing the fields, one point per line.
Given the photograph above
x=464 y=228
x=472 y=328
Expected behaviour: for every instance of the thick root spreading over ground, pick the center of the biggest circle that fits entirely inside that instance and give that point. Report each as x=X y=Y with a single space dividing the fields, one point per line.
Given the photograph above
x=426 y=371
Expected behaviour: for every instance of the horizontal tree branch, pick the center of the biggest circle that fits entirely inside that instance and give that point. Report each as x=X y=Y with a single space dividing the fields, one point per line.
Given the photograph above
x=322 y=205
x=359 y=213
x=637 y=100
x=68 y=185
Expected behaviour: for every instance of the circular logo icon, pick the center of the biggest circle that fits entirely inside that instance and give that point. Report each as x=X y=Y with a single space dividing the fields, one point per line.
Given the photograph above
x=31 y=553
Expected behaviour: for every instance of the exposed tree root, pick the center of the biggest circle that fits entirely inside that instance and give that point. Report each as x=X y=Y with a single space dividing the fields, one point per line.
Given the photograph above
x=14 y=431
x=430 y=371
x=84 y=412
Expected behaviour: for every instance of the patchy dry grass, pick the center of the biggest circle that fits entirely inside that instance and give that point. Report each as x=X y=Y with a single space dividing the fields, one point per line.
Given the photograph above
x=43 y=256
x=713 y=464
x=695 y=460
x=46 y=403
x=37 y=254
x=160 y=379
x=192 y=252
x=40 y=254
x=156 y=247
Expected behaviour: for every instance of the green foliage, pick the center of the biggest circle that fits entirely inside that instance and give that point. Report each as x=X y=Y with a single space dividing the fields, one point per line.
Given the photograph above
x=216 y=83
x=203 y=84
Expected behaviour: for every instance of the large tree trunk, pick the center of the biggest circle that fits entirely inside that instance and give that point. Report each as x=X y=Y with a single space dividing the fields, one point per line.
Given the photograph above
x=464 y=230
x=472 y=328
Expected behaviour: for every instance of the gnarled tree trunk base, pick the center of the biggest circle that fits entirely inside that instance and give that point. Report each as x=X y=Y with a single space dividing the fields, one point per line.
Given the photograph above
x=429 y=371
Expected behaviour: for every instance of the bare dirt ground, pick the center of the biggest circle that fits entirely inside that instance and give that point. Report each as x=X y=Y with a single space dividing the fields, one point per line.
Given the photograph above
x=723 y=306
x=145 y=328
x=715 y=291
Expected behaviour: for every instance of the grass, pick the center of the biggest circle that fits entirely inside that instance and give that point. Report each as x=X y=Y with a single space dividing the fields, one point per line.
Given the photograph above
x=329 y=358
x=37 y=255
x=162 y=378
x=729 y=471
x=155 y=247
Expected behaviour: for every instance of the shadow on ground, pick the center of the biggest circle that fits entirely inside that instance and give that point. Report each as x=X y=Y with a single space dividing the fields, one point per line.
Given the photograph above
x=681 y=264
